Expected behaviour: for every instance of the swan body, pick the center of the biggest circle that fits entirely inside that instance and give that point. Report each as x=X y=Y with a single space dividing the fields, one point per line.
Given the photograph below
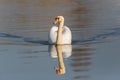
x=60 y=34
x=66 y=35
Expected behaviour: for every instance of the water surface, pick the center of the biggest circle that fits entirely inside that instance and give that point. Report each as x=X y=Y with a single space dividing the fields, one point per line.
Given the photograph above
x=26 y=55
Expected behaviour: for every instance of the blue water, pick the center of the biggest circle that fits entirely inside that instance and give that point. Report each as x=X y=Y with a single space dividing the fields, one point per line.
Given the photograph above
x=26 y=55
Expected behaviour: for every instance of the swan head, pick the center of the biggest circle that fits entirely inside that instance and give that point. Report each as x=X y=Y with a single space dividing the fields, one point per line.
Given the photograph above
x=58 y=19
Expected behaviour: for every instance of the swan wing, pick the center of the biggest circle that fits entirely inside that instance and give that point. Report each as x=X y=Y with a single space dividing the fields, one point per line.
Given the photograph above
x=52 y=35
x=66 y=35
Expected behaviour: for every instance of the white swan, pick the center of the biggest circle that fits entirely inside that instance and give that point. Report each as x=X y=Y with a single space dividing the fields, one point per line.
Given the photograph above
x=60 y=34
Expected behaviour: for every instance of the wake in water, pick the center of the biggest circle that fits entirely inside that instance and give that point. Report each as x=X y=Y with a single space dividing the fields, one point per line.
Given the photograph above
x=112 y=33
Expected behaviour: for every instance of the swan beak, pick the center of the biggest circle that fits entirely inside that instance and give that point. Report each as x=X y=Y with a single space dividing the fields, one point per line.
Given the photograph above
x=55 y=22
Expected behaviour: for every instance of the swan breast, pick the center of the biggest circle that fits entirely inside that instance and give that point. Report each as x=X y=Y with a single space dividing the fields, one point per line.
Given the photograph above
x=66 y=35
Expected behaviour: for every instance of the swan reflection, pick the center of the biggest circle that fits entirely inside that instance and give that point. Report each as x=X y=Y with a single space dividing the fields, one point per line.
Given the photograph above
x=66 y=51
x=60 y=52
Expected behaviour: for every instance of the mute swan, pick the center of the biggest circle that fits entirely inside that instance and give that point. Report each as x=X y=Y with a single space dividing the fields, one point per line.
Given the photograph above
x=60 y=34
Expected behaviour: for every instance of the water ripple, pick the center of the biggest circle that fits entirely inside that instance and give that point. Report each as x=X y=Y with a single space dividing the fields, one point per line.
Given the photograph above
x=98 y=37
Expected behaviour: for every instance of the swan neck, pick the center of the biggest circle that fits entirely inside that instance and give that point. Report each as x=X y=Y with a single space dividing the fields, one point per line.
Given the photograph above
x=59 y=36
x=61 y=24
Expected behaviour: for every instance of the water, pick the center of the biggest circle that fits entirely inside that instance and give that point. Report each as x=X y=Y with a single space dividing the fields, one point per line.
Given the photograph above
x=26 y=55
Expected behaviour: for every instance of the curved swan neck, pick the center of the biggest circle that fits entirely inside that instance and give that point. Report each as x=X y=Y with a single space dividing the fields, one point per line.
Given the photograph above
x=61 y=24
x=59 y=36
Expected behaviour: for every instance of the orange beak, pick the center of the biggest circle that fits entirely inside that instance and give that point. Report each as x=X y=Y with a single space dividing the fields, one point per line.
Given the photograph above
x=55 y=21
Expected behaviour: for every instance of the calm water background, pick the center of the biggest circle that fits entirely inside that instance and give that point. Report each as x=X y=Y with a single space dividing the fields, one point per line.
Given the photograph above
x=25 y=53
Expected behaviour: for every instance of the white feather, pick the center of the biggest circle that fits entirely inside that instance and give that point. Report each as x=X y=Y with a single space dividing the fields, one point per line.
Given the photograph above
x=66 y=35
